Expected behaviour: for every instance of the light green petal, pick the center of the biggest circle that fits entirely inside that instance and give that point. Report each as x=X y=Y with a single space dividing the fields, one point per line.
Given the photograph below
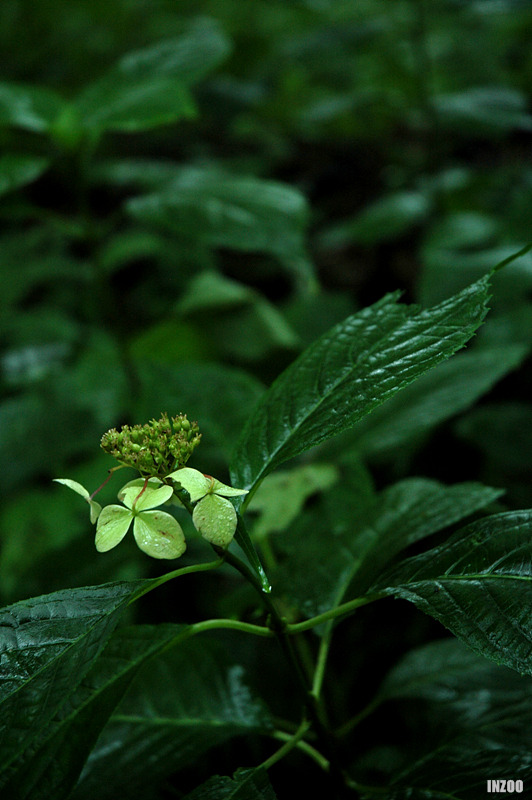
x=95 y=508
x=113 y=524
x=75 y=486
x=226 y=491
x=215 y=518
x=195 y=482
x=155 y=494
x=159 y=535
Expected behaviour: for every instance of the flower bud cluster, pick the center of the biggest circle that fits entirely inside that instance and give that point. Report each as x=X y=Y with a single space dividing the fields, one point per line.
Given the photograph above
x=154 y=449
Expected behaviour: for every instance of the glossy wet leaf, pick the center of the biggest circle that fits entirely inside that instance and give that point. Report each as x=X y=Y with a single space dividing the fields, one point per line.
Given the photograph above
x=185 y=702
x=52 y=766
x=248 y=784
x=350 y=371
x=479 y=585
x=444 y=392
x=48 y=644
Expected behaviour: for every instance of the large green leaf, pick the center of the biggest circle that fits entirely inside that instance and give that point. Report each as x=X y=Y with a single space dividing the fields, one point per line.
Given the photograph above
x=188 y=58
x=48 y=644
x=51 y=766
x=186 y=701
x=224 y=210
x=447 y=390
x=474 y=722
x=118 y=103
x=30 y=107
x=343 y=545
x=479 y=585
x=246 y=785
x=350 y=371
x=150 y=87
x=18 y=169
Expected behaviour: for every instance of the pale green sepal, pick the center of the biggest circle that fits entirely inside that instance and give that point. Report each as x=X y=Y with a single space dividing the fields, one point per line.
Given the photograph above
x=95 y=508
x=159 y=535
x=137 y=483
x=193 y=481
x=75 y=486
x=215 y=518
x=226 y=491
x=155 y=494
x=113 y=524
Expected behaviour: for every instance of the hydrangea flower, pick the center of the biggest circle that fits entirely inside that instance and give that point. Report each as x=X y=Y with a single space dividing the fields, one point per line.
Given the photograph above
x=213 y=516
x=156 y=533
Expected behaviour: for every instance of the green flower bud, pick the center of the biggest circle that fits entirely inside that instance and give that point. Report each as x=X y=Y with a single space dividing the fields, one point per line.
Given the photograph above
x=154 y=449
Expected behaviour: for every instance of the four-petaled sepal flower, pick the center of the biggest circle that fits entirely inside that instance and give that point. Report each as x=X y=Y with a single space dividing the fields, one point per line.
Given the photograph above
x=157 y=533
x=213 y=516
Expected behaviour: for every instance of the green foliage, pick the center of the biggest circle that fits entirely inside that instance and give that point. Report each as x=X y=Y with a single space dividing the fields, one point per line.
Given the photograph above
x=282 y=220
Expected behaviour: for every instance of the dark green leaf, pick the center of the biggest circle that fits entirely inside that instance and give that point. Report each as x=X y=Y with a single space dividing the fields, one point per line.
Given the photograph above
x=51 y=767
x=48 y=644
x=201 y=47
x=447 y=390
x=365 y=538
x=18 y=169
x=149 y=87
x=349 y=372
x=246 y=785
x=476 y=723
x=116 y=103
x=224 y=210
x=30 y=107
x=384 y=219
x=479 y=585
x=186 y=701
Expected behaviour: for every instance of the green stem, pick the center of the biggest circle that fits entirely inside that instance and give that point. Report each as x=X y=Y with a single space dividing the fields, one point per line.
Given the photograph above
x=176 y=573
x=232 y=624
x=321 y=663
x=280 y=628
x=305 y=747
x=333 y=613
x=289 y=743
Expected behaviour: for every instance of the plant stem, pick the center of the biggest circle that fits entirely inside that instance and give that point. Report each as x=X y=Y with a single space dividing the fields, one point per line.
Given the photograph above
x=176 y=573
x=280 y=628
x=289 y=743
x=323 y=652
x=333 y=613
x=304 y=746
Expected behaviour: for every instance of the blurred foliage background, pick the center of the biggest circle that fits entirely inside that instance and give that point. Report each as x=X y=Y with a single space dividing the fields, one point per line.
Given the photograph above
x=192 y=192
